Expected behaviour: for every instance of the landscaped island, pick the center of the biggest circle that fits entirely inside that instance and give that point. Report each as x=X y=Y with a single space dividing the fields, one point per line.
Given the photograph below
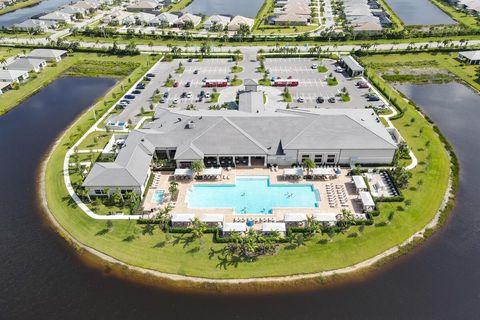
x=340 y=229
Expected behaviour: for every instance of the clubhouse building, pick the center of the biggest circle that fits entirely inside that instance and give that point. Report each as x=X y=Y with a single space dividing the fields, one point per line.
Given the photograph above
x=232 y=138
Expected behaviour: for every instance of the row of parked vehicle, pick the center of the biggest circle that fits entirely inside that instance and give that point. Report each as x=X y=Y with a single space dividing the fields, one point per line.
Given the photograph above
x=138 y=89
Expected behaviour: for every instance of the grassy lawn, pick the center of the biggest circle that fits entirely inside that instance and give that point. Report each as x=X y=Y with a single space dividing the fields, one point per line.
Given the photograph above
x=236 y=69
x=7 y=52
x=236 y=82
x=19 y=5
x=95 y=140
x=214 y=97
x=136 y=244
x=322 y=69
x=179 y=6
x=76 y=64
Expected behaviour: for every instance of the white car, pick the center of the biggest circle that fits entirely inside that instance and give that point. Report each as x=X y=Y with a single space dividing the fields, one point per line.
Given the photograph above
x=207 y=95
x=301 y=100
x=189 y=95
x=175 y=101
x=339 y=69
x=314 y=66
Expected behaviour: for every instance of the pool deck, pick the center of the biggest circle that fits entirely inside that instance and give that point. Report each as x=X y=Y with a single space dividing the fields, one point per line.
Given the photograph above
x=276 y=177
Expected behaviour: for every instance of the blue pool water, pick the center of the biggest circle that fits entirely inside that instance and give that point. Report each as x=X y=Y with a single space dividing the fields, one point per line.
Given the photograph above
x=253 y=195
x=158 y=196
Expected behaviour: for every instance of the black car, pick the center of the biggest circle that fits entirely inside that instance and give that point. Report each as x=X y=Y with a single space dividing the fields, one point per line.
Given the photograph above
x=202 y=94
x=190 y=60
x=187 y=84
x=136 y=92
x=150 y=75
x=372 y=97
x=331 y=100
x=195 y=72
x=140 y=86
x=147 y=79
x=320 y=100
x=165 y=95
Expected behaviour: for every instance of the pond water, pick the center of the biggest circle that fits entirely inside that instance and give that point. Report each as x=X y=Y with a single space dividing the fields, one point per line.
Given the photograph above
x=246 y=8
x=21 y=15
x=419 y=12
x=42 y=277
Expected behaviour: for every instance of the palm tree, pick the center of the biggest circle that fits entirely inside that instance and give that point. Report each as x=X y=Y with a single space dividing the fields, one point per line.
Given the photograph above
x=197 y=167
x=309 y=165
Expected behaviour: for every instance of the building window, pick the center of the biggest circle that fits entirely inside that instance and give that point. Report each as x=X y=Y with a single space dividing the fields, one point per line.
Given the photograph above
x=318 y=158
x=99 y=192
x=305 y=157
x=331 y=158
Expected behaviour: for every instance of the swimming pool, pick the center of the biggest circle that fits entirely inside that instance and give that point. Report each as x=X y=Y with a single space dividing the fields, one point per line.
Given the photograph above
x=159 y=196
x=253 y=194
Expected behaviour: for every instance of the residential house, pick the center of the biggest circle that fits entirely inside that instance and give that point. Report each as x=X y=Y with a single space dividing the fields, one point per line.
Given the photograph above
x=57 y=16
x=216 y=22
x=36 y=25
x=13 y=76
x=164 y=20
x=188 y=17
x=47 y=54
x=237 y=21
x=27 y=64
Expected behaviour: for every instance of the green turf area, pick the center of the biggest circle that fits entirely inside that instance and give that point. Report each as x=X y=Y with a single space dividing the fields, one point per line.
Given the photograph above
x=7 y=52
x=236 y=69
x=179 y=6
x=19 y=5
x=151 y=248
x=95 y=140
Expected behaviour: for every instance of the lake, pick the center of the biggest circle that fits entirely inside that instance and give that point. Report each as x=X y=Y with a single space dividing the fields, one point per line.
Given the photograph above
x=21 y=15
x=246 y=8
x=42 y=277
x=419 y=12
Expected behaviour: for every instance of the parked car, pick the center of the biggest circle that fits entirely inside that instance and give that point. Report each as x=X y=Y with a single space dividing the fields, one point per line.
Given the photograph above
x=363 y=86
x=195 y=71
x=175 y=101
x=314 y=66
x=189 y=95
x=176 y=84
x=136 y=92
x=320 y=100
x=190 y=60
x=162 y=100
x=183 y=95
x=165 y=95
x=129 y=96
x=147 y=79
x=207 y=95
x=188 y=84
x=124 y=101
x=150 y=75
x=372 y=97
x=301 y=100
x=140 y=86
x=339 y=69
x=331 y=100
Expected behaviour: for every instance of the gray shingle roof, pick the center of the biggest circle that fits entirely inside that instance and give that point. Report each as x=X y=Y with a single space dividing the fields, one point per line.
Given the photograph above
x=239 y=133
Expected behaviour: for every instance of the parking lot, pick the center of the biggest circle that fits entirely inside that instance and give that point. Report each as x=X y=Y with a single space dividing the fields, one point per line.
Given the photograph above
x=313 y=84
x=187 y=86
x=179 y=96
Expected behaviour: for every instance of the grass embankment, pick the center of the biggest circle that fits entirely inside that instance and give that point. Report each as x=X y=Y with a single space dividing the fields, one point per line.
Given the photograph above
x=397 y=22
x=19 y=5
x=463 y=18
x=151 y=248
x=76 y=64
x=179 y=6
